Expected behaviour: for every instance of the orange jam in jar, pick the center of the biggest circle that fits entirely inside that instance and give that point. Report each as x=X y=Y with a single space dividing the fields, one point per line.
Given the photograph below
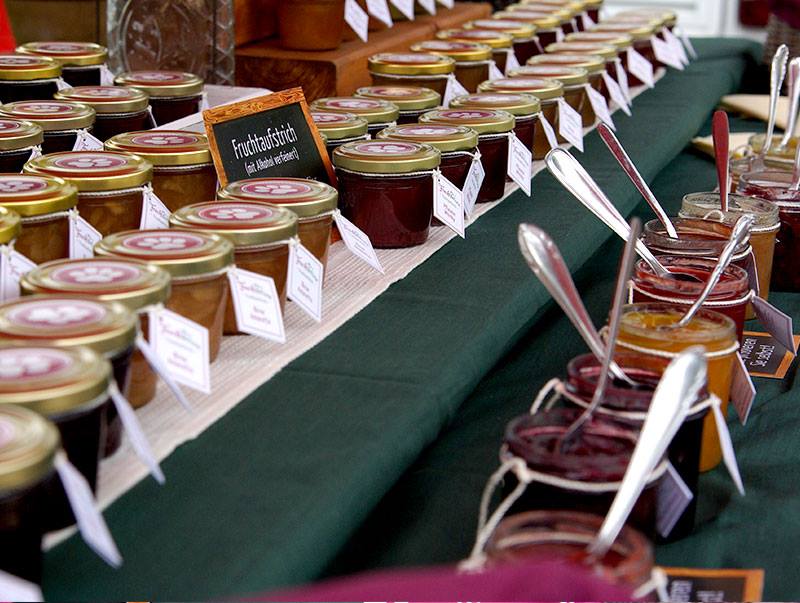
x=379 y=114
x=18 y=139
x=501 y=43
x=24 y=77
x=43 y=203
x=340 y=128
x=59 y=121
x=260 y=234
x=10 y=225
x=411 y=69
x=524 y=107
x=472 y=59
x=110 y=185
x=135 y=284
x=412 y=101
x=652 y=329
x=118 y=109
x=80 y=61
x=173 y=94
x=183 y=172
x=523 y=35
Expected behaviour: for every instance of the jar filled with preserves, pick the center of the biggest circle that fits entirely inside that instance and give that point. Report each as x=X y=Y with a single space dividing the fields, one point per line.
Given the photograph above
x=641 y=33
x=260 y=234
x=412 y=101
x=43 y=203
x=135 y=284
x=111 y=185
x=567 y=12
x=379 y=114
x=502 y=44
x=608 y=53
x=183 y=171
x=548 y=26
x=173 y=94
x=60 y=121
x=411 y=69
x=19 y=140
x=472 y=59
x=24 y=77
x=10 y=225
x=118 y=109
x=524 y=107
x=340 y=128
x=493 y=127
x=594 y=65
x=574 y=80
x=81 y=62
x=592 y=8
x=620 y=41
x=663 y=17
x=525 y=42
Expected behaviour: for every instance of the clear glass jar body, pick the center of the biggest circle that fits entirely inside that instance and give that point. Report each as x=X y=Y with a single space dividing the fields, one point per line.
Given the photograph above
x=121 y=363
x=22 y=518
x=143 y=380
x=548 y=36
x=437 y=83
x=44 y=238
x=644 y=48
x=525 y=129
x=202 y=299
x=527 y=48
x=112 y=211
x=455 y=166
x=332 y=144
x=315 y=235
x=471 y=74
x=411 y=117
x=11 y=162
x=178 y=186
x=107 y=125
x=494 y=158
x=22 y=90
x=56 y=141
x=81 y=75
x=587 y=112
x=169 y=108
x=550 y=112
x=576 y=98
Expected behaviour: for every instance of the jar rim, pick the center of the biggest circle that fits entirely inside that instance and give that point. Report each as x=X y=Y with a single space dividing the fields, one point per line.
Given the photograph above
x=569 y=76
x=412 y=98
x=94 y=171
x=107 y=99
x=10 y=225
x=374 y=111
x=339 y=125
x=64 y=115
x=162 y=83
x=719 y=329
x=411 y=63
x=163 y=147
x=619 y=41
x=459 y=50
x=67 y=54
x=447 y=138
x=33 y=195
x=386 y=157
x=698 y=205
x=492 y=38
x=542 y=21
x=518 y=30
x=541 y=88
x=306 y=198
x=519 y=105
x=607 y=52
x=483 y=121
x=592 y=63
x=19 y=134
x=25 y=67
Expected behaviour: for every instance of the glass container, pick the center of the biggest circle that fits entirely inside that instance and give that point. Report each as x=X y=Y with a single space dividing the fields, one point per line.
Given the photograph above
x=80 y=61
x=524 y=107
x=472 y=59
x=117 y=109
x=594 y=66
x=607 y=52
x=10 y=225
x=379 y=114
x=17 y=141
x=26 y=77
x=411 y=69
x=524 y=39
x=500 y=43
x=412 y=101
x=340 y=128
x=549 y=26
x=173 y=94
x=574 y=80
x=59 y=120
x=620 y=41
x=641 y=33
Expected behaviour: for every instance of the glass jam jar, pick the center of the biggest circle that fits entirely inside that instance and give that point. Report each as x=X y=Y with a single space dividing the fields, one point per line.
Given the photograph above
x=411 y=69
x=472 y=59
x=412 y=101
x=574 y=80
x=69 y=388
x=80 y=61
x=173 y=94
x=312 y=201
x=28 y=77
x=386 y=189
x=524 y=107
x=379 y=114
x=28 y=446
x=108 y=328
x=594 y=66
x=664 y=18
x=340 y=128
x=182 y=168
x=135 y=284
x=118 y=109
x=197 y=263
x=501 y=43
x=651 y=330
x=783 y=157
x=10 y=225
x=59 y=120
x=110 y=185
x=260 y=234
x=607 y=52
x=549 y=27
x=43 y=203
x=17 y=141
x=641 y=33
x=492 y=127
x=524 y=39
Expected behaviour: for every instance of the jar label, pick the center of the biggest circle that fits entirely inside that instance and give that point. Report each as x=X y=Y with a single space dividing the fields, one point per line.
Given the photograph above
x=672 y=499
x=454 y=88
x=777 y=324
x=163 y=241
x=587 y=22
x=357 y=18
x=85 y=141
x=687 y=42
x=600 y=106
x=520 y=162
x=570 y=125
x=622 y=79
x=257 y=305
x=82 y=237
x=616 y=94
x=13 y=265
x=494 y=74
x=25 y=364
x=743 y=392
x=665 y=53
x=235 y=212
x=549 y=133
x=447 y=3
x=182 y=345
x=15 y=588
x=165 y=139
x=275 y=187
x=725 y=442
x=357 y=241
x=448 y=203
x=429 y=6
x=304 y=284
x=406 y=7
x=675 y=43
x=49 y=314
x=473 y=183
x=155 y=215
x=96 y=273
x=380 y=10
x=91 y=161
x=21 y=185
x=512 y=62
x=641 y=68
x=160 y=369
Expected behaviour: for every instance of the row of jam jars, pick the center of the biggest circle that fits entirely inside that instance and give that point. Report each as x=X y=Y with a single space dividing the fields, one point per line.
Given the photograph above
x=61 y=121
x=524 y=40
x=620 y=42
x=340 y=128
x=173 y=94
x=472 y=59
x=118 y=109
x=28 y=77
x=81 y=62
x=549 y=26
x=594 y=66
x=573 y=79
x=411 y=69
x=607 y=52
x=19 y=141
x=642 y=34
x=411 y=101
x=524 y=107
x=378 y=114
x=502 y=44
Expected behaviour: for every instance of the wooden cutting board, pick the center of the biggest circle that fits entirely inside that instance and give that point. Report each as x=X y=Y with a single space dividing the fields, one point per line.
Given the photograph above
x=757 y=106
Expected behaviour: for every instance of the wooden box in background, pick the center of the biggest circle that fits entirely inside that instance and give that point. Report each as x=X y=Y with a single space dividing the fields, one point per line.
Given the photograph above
x=255 y=19
x=79 y=20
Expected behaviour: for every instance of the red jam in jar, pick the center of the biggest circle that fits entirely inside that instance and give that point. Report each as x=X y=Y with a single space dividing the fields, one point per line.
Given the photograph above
x=27 y=77
x=574 y=80
x=524 y=107
x=412 y=101
x=411 y=69
x=80 y=61
x=549 y=26
x=59 y=120
x=472 y=59
x=607 y=52
x=340 y=128
x=524 y=39
x=173 y=94
x=379 y=114
x=594 y=66
x=18 y=139
x=501 y=43
x=118 y=109
x=641 y=33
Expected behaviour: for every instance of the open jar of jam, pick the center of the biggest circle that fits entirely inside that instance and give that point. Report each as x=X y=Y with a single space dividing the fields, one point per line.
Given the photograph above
x=24 y=77
x=260 y=234
x=10 y=225
x=80 y=61
x=108 y=328
x=312 y=201
x=781 y=157
x=340 y=128
x=548 y=26
x=524 y=39
x=652 y=330
x=59 y=120
x=412 y=101
x=594 y=66
x=379 y=114
x=574 y=80
x=493 y=127
x=501 y=43
x=198 y=266
x=386 y=189
x=18 y=140
x=69 y=388
x=27 y=454
x=411 y=69
x=472 y=59
x=173 y=94
x=118 y=109
x=43 y=203
x=110 y=185
x=135 y=284
x=524 y=107
x=182 y=168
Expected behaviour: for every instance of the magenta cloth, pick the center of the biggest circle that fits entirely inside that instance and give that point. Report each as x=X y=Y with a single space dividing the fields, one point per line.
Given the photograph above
x=787 y=10
x=535 y=581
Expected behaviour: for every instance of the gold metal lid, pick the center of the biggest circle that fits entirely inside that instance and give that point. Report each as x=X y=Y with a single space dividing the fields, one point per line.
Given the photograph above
x=457 y=49
x=68 y=321
x=542 y=89
x=163 y=147
x=617 y=40
x=10 y=225
x=133 y=283
x=107 y=99
x=411 y=63
x=591 y=63
x=51 y=115
x=28 y=445
x=386 y=157
x=53 y=381
x=605 y=51
x=162 y=83
x=542 y=21
x=444 y=137
x=19 y=134
x=569 y=76
x=306 y=198
x=31 y=195
x=337 y=126
x=667 y=17
x=375 y=111
x=564 y=14
x=637 y=31
x=94 y=170
x=68 y=54
x=483 y=121
x=21 y=67
x=494 y=39
x=519 y=105
x=656 y=20
x=516 y=29
x=407 y=98
x=182 y=253
x=245 y=223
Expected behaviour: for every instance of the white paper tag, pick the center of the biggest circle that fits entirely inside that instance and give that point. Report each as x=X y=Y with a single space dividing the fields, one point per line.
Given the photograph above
x=204 y=106
x=84 y=141
x=559 y=34
x=135 y=433
x=154 y=360
x=511 y=61
x=665 y=53
x=13 y=588
x=12 y=266
x=622 y=80
x=520 y=160
x=380 y=10
x=155 y=215
x=570 y=125
x=494 y=72
x=90 y=521
x=743 y=392
x=777 y=324
x=671 y=500
x=454 y=89
x=600 y=106
x=304 y=284
x=61 y=84
x=406 y=7
x=726 y=445
x=106 y=76
x=588 y=22
x=549 y=132
x=448 y=203
x=429 y=6
x=751 y=267
x=357 y=18
x=675 y=44
x=182 y=345
x=687 y=43
x=357 y=241
x=447 y=3
x=616 y=94
x=82 y=237
x=36 y=151
x=257 y=305
x=473 y=183
x=641 y=68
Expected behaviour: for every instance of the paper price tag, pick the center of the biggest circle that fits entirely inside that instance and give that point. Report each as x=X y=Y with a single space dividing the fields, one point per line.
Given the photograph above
x=494 y=72
x=777 y=324
x=454 y=89
x=616 y=94
x=106 y=76
x=687 y=43
x=160 y=369
x=36 y=151
x=85 y=141
x=743 y=392
x=257 y=305
x=622 y=80
x=182 y=345
x=13 y=588
x=726 y=445
x=549 y=132
x=90 y=521
x=752 y=272
x=406 y=7
x=82 y=237
x=357 y=241
x=600 y=106
x=448 y=203
x=204 y=106
x=665 y=53
x=12 y=266
x=570 y=125
x=61 y=84
x=559 y=34
x=588 y=22
x=447 y=3
x=675 y=44
x=135 y=433
x=672 y=499
x=429 y=6
x=304 y=284
x=357 y=18
x=511 y=62
x=641 y=68
x=520 y=160
x=155 y=215
x=380 y=10
x=473 y=183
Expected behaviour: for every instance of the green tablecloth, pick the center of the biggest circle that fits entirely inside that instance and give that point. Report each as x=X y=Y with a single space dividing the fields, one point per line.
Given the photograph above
x=272 y=493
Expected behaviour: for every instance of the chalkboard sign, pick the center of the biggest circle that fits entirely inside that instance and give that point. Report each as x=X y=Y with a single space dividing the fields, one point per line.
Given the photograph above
x=267 y=136
x=690 y=584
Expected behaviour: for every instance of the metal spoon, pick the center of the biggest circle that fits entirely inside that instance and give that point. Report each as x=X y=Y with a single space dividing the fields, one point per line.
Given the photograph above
x=544 y=258
x=720 y=131
x=679 y=386
x=614 y=145
x=794 y=96
x=777 y=73
x=796 y=170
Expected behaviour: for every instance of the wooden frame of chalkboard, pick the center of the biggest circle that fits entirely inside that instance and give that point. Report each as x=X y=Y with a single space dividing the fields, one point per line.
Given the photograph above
x=271 y=135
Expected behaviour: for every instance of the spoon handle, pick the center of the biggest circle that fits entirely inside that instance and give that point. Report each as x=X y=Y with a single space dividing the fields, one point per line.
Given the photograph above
x=721 y=135
x=794 y=96
x=777 y=73
x=796 y=170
